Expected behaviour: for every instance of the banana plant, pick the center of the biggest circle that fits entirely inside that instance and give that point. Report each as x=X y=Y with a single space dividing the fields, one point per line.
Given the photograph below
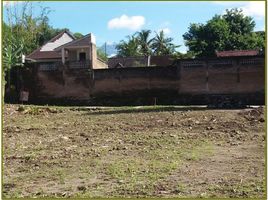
x=12 y=55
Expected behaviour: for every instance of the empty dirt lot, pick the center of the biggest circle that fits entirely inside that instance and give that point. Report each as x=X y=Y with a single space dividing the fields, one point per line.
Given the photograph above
x=133 y=152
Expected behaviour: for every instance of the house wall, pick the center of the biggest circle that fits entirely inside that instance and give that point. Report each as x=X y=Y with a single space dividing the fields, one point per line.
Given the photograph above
x=100 y=64
x=73 y=55
x=239 y=76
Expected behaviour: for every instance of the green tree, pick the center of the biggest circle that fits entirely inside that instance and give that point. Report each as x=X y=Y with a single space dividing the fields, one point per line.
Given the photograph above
x=130 y=47
x=145 y=42
x=78 y=35
x=231 y=31
x=140 y=44
x=22 y=33
x=162 y=45
x=188 y=55
x=32 y=30
x=101 y=55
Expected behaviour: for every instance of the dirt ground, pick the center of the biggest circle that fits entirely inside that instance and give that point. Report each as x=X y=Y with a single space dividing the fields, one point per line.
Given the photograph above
x=157 y=151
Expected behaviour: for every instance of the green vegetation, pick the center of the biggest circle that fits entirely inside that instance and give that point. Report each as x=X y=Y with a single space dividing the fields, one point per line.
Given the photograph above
x=129 y=48
x=140 y=44
x=230 y=31
x=23 y=32
x=101 y=55
x=78 y=35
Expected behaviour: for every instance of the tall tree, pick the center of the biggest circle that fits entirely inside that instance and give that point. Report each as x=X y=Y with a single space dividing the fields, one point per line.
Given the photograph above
x=145 y=42
x=130 y=47
x=22 y=33
x=231 y=31
x=163 y=45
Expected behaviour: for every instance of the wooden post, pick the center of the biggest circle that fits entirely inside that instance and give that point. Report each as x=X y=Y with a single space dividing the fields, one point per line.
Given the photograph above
x=148 y=60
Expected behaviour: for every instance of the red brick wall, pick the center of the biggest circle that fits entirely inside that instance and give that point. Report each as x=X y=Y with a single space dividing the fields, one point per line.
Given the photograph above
x=219 y=76
x=63 y=83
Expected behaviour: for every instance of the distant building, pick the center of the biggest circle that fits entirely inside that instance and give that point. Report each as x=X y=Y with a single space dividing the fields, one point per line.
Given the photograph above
x=64 y=48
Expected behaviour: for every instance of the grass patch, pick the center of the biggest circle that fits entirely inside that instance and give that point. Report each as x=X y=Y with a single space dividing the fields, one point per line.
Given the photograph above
x=242 y=190
x=204 y=149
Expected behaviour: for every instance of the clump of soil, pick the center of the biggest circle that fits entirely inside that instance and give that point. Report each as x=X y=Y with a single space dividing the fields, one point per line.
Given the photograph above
x=255 y=114
x=32 y=110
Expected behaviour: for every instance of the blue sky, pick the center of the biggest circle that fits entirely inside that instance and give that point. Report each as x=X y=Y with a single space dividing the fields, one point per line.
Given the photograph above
x=112 y=21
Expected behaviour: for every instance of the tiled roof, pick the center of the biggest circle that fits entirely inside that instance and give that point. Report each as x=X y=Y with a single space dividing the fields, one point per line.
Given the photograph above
x=37 y=54
x=237 y=53
x=84 y=41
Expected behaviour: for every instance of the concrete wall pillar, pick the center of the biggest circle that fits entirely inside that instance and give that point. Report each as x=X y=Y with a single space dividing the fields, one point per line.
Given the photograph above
x=93 y=52
x=63 y=55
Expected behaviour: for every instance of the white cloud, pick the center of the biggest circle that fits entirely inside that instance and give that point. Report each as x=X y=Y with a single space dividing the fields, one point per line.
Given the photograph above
x=255 y=9
x=126 y=22
x=165 y=30
x=250 y=8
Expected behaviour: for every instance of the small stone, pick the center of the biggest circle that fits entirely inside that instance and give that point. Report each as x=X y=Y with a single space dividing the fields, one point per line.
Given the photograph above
x=65 y=138
x=262 y=119
x=81 y=188
x=17 y=130
x=209 y=128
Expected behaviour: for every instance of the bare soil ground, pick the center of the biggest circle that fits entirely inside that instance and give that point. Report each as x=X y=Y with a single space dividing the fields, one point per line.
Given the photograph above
x=162 y=151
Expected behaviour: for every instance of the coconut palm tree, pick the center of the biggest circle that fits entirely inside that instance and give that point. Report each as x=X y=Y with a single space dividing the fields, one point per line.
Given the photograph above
x=163 y=45
x=130 y=47
x=144 y=42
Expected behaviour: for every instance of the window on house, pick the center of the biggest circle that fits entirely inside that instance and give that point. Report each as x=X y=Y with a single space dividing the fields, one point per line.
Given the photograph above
x=82 y=56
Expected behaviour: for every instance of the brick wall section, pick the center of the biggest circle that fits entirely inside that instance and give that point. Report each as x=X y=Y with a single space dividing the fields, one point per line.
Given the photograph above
x=222 y=78
x=187 y=77
x=73 y=84
x=252 y=76
x=134 y=81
